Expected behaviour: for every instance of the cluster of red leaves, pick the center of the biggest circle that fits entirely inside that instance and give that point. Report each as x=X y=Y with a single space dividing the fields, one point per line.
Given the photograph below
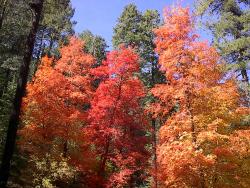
x=118 y=125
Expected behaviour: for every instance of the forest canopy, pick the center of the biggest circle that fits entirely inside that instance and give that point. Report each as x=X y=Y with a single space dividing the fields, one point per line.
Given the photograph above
x=162 y=107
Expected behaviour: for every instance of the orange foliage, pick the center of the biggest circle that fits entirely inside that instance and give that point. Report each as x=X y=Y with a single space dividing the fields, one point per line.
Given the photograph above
x=202 y=142
x=54 y=108
x=197 y=143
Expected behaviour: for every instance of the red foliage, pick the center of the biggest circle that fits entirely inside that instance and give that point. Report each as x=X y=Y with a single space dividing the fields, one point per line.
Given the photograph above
x=118 y=125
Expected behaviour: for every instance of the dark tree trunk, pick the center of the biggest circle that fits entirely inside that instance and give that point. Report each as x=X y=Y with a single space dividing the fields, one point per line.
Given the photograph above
x=51 y=43
x=20 y=91
x=189 y=108
x=104 y=159
x=65 y=149
x=244 y=76
x=5 y=84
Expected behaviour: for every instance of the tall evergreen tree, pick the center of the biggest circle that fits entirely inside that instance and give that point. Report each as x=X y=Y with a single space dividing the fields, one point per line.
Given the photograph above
x=2 y=11
x=20 y=90
x=127 y=30
x=95 y=45
x=229 y=22
x=54 y=27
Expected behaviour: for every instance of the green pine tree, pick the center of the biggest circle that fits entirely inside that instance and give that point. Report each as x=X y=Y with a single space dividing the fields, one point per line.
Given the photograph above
x=229 y=22
x=95 y=45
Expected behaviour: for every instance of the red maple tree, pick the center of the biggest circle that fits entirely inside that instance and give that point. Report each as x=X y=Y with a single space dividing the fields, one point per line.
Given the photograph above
x=117 y=129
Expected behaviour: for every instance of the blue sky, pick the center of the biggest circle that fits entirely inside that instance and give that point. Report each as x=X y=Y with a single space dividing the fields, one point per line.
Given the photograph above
x=100 y=16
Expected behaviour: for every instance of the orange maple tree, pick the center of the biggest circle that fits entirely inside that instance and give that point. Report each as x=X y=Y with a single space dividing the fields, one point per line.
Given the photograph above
x=117 y=128
x=200 y=144
x=55 y=108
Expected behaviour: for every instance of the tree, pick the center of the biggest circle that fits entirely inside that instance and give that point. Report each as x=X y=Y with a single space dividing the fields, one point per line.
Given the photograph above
x=127 y=30
x=136 y=29
x=54 y=29
x=228 y=20
x=55 y=109
x=17 y=18
x=12 y=43
x=117 y=122
x=21 y=85
x=202 y=111
x=94 y=45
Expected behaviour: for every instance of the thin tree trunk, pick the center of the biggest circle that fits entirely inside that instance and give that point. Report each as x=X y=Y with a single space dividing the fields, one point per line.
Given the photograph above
x=189 y=108
x=245 y=80
x=243 y=72
x=51 y=43
x=244 y=76
x=154 y=133
x=65 y=149
x=155 y=153
x=104 y=159
x=4 y=5
x=20 y=91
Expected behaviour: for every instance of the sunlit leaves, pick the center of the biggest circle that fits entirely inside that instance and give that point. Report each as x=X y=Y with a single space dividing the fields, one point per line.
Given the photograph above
x=201 y=107
x=53 y=109
x=118 y=125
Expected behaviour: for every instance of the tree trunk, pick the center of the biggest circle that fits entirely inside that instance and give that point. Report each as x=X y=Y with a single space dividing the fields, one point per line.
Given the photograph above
x=20 y=91
x=104 y=159
x=65 y=149
x=155 y=153
x=51 y=43
x=243 y=71
x=244 y=76
x=154 y=133
x=4 y=5
x=189 y=108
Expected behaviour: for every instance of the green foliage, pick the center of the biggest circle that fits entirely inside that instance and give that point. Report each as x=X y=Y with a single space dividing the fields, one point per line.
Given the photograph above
x=54 y=29
x=5 y=107
x=127 y=30
x=16 y=18
x=48 y=171
x=228 y=21
x=135 y=29
x=94 y=45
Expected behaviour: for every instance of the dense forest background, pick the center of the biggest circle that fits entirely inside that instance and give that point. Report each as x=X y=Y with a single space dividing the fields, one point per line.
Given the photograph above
x=161 y=109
